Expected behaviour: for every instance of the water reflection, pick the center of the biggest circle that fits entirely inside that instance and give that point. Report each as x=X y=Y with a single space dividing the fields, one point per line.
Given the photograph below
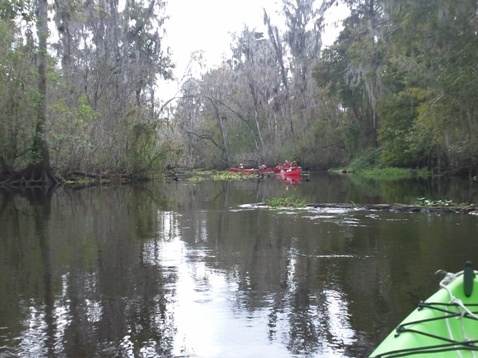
x=219 y=313
x=195 y=270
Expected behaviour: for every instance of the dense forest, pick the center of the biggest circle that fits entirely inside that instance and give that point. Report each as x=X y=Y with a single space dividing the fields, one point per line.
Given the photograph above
x=80 y=90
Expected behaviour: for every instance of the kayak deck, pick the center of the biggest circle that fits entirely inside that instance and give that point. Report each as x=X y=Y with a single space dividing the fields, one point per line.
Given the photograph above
x=446 y=324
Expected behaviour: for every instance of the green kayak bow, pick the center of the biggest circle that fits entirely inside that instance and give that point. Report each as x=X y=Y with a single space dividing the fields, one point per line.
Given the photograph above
x=445 y=325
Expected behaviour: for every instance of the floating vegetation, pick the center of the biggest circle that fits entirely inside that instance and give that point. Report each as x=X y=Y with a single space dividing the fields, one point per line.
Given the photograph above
x=220 y=175
x=197 y=178
x=232 y=176
x=427 y=202
x=285 y=202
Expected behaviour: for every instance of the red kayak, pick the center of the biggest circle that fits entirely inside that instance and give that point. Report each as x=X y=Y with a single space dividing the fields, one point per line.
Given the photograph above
x=268 y=170
x=291 y=172
x=286 y=169
x=243 y=170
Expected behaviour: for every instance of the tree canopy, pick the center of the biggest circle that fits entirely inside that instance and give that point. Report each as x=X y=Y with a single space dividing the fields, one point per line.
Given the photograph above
x=399 y=80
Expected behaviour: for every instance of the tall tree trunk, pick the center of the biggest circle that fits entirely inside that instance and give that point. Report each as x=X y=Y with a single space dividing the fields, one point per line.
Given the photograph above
x=40 y=153
x=39 y=172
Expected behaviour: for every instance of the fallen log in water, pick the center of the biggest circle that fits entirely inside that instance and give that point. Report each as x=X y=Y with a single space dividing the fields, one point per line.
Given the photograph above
x=460 y=209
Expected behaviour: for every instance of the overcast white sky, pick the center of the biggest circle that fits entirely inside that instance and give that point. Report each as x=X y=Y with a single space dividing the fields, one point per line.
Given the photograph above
x=207 y=25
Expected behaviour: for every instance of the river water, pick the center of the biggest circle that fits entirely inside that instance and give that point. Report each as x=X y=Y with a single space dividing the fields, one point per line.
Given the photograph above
x=187 y=269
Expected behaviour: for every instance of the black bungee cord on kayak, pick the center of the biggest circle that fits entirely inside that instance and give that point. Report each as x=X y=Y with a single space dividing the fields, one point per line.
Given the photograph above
x=451 y=310
x=449 y=345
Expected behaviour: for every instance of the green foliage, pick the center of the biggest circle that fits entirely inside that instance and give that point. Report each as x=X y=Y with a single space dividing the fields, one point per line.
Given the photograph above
x=239 y=138
x=368 y=160
x=326 y=141
x=142 y=141
x=403 y=143
x=435 y=54
x=11 y=9
x=285 y=202
x=389 y=173
x=69 y=133
x=401 y=79
x=232 y=176
x=201 y=174
x=348 y=71
x=18 y=97
x=427 y=202
x=369 y=165
x=414 y=62
x=196 y=178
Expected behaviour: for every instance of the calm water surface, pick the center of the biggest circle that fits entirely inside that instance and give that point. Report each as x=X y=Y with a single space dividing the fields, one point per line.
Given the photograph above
x=194 y=270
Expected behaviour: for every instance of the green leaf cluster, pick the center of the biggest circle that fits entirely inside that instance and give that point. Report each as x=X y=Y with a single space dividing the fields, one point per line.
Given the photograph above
x=405 y=72
x=285 y=202
x=18 y=96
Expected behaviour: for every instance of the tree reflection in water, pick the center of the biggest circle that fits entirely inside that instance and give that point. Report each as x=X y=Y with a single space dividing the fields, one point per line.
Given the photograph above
x=182 y=269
